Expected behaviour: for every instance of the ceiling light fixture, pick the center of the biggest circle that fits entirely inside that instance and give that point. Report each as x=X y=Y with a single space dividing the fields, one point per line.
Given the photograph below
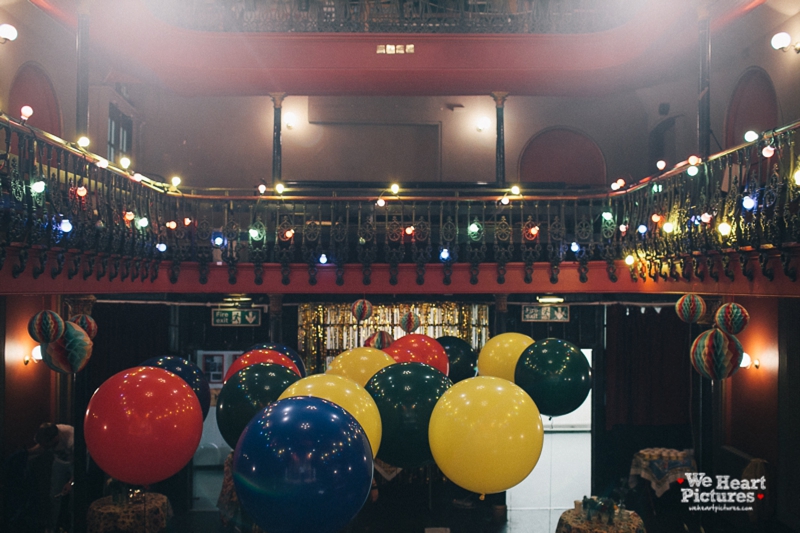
x=550 y=299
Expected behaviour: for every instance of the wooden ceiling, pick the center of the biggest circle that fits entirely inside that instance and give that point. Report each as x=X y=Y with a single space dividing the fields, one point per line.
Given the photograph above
x=656 y=44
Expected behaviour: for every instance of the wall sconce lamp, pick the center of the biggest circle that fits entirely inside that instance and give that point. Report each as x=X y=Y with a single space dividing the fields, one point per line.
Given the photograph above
x=7 y=33
x=35 y=356
x=783 y=41
x=394 y=189
x=483 y=123
x=290 y=119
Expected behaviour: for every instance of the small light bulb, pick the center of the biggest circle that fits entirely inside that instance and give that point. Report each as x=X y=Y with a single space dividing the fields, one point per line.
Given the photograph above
x=381 y=202
x=724 y=229
x=38 y=187
x=615 y=186
x=102 y=163
x=395 y=188
x=504 y=200
x=124 y=162
x=161 y=247
x=143 y=222
x=474 y=228
x=279 y=188
x=84 y=141
x=705 y=218
x=750 y=136
x=692 y=170
x=746 y=360
x=171 y=224
x=621 y=183
x=289 y=233
x=323 y=259
x=36 y=353
x=668 y=227
x=66 y=226
x=768 y=151
x=262 y=188
x=796 y=177
x=81 y=191
x=483 y=123
x=656 y=218
x=409 y=230
x=748 y=203
x=290 y=119
x=693 y=160
x=187 y=221
x=629 y=260
x=218 y=240
x=575 y=247
x=534 y=230
x=608 y=215
x=254 y=233
x=444 y=255
x=642 y=229
x=138 y=177
x=129 y=216
x=26 y=112
x=176 y=180
x=781 y=41
x=661 y=164
x=8 y=32
x=623 y=228
x=515 y=189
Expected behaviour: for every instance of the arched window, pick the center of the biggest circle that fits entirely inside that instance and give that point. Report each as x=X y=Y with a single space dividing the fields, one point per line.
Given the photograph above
x=562 y=157
x=32 y=87
x=753 y=106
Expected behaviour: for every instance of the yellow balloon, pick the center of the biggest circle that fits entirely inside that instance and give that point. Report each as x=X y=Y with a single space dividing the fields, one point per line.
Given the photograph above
x=348 y=395
x=500 y=354
x=359 y=364
x=486 y=434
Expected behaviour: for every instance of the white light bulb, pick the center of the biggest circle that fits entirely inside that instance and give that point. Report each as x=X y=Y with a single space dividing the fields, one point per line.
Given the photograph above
x=8 y=32
x=692 y=170
x=26 y=112
x=629 y=260
x=661 y=164
x=161 y=247
x=444 y=255
x=381 y=202
x=768 y=151
x=781 y=41
x=608 y=216
x=36 y=353
x=483 y=123
x=323 y=259
x=176 y=180
x=279 y=188
x=724 y=229
x=84 y=141
x=102 y=163
x=642 y=229
x=254 y=233
x=748 y=203
x=395 y=188
x=473 y=228
x=143 y=222
x=66 y=226
x=575 y=247
x=38 y=187
x=504 y=200
x=750 y=136
x=124 y=162
x=262 y=188
x=668 y=227
x=515 y=189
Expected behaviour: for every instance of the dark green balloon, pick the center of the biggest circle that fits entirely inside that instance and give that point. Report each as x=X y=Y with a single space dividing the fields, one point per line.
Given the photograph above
x=406 y=394
x=246 y=393
x=462 y=358
x=555 y=374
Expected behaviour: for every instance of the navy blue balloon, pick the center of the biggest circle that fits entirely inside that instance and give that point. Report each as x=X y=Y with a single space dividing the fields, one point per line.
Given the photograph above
x=285 y=350
x=190 y=373
x=303 y=465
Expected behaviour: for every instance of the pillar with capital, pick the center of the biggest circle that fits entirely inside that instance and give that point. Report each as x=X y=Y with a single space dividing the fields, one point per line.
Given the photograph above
x=277 y=103
x=500 y=153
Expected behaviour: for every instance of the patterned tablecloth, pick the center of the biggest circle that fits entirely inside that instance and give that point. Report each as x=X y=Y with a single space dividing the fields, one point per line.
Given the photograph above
x=573 y=521
x=150 y=513
x=661 y=467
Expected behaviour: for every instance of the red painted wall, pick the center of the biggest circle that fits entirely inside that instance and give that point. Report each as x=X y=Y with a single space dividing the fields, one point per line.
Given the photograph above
x=28 y=398
x=752 y=393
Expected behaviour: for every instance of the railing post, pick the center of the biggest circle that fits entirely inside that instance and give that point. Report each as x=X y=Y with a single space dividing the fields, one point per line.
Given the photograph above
x=82 y=94
x=277 y=102
x=500 y=157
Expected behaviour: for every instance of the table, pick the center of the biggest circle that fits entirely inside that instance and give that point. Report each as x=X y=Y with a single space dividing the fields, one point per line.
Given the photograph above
x=661 y=467
x=149 y=513
x=573 y=521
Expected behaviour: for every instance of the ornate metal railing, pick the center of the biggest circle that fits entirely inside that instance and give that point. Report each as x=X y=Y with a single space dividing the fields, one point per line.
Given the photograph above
x=398 y=16
x=58 y=201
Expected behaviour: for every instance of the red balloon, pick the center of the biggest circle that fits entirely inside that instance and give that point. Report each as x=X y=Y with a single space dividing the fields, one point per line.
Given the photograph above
x=260 y=356
x=143 y=425
x=420 y=349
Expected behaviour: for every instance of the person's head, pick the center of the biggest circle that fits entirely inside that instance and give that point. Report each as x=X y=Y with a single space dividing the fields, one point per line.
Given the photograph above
x=47 y=435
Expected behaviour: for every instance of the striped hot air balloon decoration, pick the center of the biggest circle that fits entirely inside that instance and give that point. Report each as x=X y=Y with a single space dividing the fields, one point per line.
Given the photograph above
x=690 y=308
x=69 y=353
x=732 y=318
x=379 y=340
x=362 y=309
x=716 y=354
x=86 y=323
x=409 y=321
x=46 y=326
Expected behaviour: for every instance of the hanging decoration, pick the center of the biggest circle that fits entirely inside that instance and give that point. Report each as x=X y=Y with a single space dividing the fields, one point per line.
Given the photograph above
x=70 y=352
x=732 y=318
x=716 y=354
x=379 y=340
x=690 y=308
x=409 y=321
x=362 y=309
x=87 y=324
x=46 y=326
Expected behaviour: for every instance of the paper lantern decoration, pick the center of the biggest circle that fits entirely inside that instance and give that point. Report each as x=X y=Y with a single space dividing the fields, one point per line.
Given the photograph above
x=86 y=323
x=70 y=352
x=409 y=321
x=732 y=318
x=716 y=354
x=362 y=309
x=46 y=326
x=379 y=340
x=690 y=308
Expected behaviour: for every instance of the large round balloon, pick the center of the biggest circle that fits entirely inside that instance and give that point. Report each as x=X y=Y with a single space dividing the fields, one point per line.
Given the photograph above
x=188 y=372
x=303 y=465
x=46 y=326
x=716 y=354
x=246 y=393
x=70 y=352
x=347 y=394
x=143 y=425
x=731 y=318
x=555 y=374
x=500 y=354
x=87 y=324
x=285 y=350
x=260 y=356
x=359 y=364
x=462 y=358
x=422 y=349
x=690 y=308
x=486 y=434
x=406 y=394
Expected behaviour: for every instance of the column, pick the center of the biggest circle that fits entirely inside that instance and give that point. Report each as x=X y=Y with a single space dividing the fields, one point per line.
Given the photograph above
x=500 y=157
x=704 y=96
x=275 y=318
x=277 y=102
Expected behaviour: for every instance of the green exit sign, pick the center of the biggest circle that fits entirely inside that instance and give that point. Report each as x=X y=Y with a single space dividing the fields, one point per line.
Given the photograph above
x=236 y=317
x=545 y=313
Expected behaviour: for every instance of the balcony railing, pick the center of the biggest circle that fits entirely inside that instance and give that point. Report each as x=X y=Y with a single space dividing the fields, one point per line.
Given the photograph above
x=58 y=201
x=398 y=16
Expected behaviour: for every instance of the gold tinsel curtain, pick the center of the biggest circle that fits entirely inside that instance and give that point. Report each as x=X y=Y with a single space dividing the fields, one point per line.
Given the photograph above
x=325 y=330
